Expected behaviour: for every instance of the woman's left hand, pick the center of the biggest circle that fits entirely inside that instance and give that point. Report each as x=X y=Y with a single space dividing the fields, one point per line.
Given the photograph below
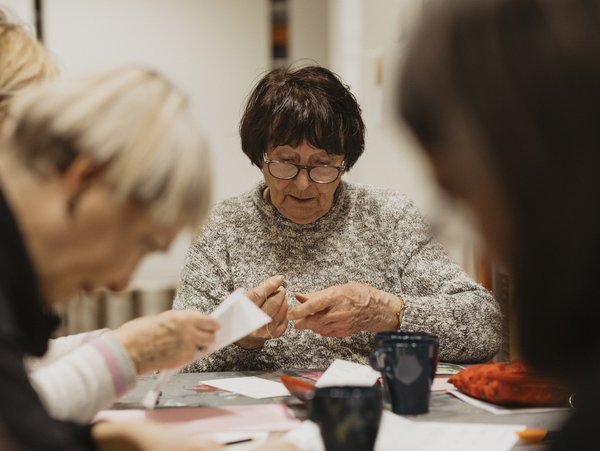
x=343 y=310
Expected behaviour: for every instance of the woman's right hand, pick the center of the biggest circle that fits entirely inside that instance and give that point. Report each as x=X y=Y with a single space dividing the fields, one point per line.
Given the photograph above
x=269 y=296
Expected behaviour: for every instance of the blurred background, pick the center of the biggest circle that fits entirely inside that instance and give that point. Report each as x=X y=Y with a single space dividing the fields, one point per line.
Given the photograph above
x=216 y=50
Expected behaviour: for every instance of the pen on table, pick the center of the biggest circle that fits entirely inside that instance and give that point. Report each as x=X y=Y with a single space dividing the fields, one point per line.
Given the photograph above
x=235 y=442
x=536 y=435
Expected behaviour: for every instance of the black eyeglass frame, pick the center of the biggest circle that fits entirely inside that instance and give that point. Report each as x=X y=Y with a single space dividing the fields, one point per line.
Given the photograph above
x=341 y=169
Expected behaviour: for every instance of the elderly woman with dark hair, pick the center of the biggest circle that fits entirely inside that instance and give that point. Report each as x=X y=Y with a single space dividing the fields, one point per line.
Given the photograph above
x=331 y=262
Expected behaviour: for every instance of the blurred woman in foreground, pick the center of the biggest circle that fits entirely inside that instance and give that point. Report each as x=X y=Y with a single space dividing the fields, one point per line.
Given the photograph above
x=95 y=172
x=81 y=374
x=504 y=95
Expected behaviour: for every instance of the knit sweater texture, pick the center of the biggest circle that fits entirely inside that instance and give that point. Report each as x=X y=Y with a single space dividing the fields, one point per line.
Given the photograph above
x=370 y=235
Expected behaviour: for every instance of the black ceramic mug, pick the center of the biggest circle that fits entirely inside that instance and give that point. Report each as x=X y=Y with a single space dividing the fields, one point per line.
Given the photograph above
x=348 y=416
x=407 y=368
x=394 y=336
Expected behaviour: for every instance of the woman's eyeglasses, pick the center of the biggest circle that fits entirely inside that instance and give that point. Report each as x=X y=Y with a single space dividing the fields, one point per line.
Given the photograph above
x=319 y=174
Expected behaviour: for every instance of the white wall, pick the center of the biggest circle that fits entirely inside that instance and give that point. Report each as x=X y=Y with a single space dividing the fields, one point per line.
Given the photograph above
x=213 y=49
x=308 y=31
x=19 y=10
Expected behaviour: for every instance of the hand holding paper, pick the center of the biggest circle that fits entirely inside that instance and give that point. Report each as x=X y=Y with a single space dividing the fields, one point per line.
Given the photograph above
x=169 y=339
x=237 y=316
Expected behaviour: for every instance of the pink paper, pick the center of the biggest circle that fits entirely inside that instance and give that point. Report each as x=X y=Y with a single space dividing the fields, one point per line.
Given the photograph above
x=268 y=417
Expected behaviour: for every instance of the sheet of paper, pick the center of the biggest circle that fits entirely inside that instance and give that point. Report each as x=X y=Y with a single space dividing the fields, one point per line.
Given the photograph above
x=441 y=384
x=501 y=410
x=237 y=316
x=399 y=434
x=252 y=386
x=343 y=372
x=195 y=420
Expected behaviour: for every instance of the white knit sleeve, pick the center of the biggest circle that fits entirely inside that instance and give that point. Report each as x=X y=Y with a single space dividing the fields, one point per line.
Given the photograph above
x=58 y=347
x=89 y=378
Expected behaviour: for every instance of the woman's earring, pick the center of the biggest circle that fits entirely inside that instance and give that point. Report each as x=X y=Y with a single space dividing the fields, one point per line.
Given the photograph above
x=71 y=203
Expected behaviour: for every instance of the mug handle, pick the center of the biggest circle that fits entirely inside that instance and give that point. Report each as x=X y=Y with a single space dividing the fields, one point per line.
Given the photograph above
x=378 y=359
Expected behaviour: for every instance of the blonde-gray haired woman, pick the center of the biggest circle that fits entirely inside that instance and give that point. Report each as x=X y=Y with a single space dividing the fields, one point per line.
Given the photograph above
x=95 y=172
x=23 y=61
x=81 y=374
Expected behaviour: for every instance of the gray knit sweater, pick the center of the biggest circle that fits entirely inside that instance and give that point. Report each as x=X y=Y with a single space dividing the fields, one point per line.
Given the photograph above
x=370 y=235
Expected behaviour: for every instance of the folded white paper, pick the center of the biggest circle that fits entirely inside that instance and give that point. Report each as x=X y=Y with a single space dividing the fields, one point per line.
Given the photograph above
x=238 y=316
x=343 y=372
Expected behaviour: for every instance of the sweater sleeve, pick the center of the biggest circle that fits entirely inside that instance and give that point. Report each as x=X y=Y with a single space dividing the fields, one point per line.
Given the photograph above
x=77 y=385
x=442 y=299
x=58 y=347
x=205 y=282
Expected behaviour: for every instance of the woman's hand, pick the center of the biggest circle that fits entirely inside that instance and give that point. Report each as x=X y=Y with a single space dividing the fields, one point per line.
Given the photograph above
x=269 y=296
x=343 y=310
x=168 y=340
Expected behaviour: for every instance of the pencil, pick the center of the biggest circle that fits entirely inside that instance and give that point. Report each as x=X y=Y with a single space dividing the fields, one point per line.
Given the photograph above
x=235 y=442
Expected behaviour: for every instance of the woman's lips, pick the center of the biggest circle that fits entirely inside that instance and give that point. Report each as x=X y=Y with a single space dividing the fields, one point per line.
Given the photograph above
x=302 y=199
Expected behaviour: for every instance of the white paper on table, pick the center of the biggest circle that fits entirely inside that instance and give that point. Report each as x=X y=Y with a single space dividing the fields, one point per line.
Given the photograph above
x=441 y=384
x=252 y=386
x=237 y=316
x=501 y=410
x=399 y=434
x=343 y=372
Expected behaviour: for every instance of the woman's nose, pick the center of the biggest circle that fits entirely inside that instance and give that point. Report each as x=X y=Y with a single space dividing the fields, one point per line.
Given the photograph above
x=302 y=180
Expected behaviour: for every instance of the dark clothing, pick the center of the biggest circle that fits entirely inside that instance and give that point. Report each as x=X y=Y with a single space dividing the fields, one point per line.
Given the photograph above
x=580 y=432
x=25 y=327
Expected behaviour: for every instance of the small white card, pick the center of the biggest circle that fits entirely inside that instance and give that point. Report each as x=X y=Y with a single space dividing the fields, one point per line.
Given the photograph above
x=343 y=372
x=252 y=386
x=238 y=316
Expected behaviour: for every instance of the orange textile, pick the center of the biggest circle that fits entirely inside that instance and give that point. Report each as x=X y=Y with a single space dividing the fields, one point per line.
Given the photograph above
x=509 y=383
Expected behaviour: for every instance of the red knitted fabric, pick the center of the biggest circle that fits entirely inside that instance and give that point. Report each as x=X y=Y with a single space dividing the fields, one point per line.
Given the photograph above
x=509 y=383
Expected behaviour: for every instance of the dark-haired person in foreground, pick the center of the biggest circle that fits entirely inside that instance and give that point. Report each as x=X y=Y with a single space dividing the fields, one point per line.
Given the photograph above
x=504 y=95
x=340 y=260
